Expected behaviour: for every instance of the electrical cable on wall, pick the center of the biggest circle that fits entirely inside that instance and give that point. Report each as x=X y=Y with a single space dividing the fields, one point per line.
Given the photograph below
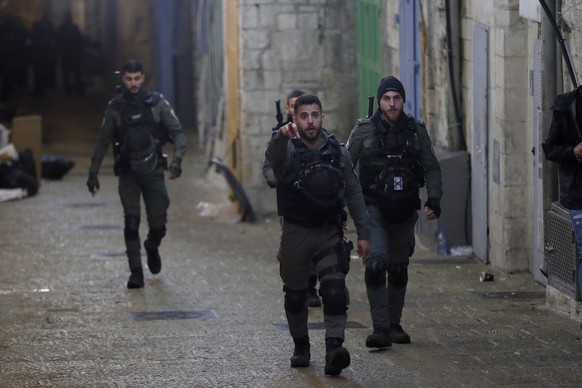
x=561 y=40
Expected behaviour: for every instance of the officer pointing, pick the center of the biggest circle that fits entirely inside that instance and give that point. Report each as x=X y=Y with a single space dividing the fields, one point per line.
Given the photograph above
x=315 y=180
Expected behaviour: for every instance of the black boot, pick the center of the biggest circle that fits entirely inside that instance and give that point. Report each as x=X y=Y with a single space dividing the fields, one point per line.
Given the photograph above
x=380 y=338
x=398 y=335
x=136 y=278
x=336 y=356
x=301 y=354
x=154 y=259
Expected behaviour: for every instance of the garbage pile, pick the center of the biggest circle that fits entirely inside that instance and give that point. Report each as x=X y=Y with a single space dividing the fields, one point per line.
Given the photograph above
x=18 y=169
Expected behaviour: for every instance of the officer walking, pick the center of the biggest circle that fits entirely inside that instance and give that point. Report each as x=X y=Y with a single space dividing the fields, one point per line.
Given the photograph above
x=395 y=159
x=139 y=122
x=314 y=179
x=313 y=299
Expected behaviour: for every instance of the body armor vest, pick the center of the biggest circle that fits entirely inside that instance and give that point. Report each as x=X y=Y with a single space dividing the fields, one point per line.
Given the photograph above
x=391 y=173
x=129 y=113
x=134 y=120
x=313 y=186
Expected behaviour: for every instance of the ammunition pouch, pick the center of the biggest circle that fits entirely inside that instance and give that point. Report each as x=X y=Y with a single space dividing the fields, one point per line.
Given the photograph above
x=396 y=190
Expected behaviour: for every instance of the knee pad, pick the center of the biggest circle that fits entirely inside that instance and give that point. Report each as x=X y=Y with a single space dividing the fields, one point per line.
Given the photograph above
x=398 y=275
x=155 y=236
x=375 y=273
x=295 y=300
x=131 y=231
x=334 y=295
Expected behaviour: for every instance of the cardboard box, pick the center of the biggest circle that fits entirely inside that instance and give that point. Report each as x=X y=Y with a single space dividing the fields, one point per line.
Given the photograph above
x=27 y=133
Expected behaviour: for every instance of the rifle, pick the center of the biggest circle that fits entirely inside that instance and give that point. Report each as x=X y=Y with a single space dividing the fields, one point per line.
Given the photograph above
x=279 y=115
x=370 y=106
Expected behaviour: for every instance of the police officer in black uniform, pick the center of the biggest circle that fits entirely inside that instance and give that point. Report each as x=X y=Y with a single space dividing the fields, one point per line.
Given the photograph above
x=396 y=158
x=314 y=179
x=313 y=299
x=138 y=123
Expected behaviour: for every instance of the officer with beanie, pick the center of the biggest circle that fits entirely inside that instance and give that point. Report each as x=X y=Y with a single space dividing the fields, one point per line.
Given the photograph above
x=138 y=123
x=395 y=158
x=315 y=179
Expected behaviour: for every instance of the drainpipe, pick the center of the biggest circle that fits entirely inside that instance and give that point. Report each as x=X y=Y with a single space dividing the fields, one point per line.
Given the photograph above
x=551 y=16
x=452 y=24
x=559 y=74
x=551 y=81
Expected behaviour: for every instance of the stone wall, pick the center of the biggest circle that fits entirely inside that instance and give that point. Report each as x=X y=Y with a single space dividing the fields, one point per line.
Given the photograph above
x=510 y=182
x=286 y=45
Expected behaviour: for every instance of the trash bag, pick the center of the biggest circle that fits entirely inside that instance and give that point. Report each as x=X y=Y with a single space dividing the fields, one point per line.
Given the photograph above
x=55 y=167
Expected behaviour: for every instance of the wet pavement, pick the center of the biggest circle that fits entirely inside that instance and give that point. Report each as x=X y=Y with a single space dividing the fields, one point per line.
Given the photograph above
x=214 y=315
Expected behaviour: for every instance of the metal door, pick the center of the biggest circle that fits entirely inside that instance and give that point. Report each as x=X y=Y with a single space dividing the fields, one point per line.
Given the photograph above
x=480 y=149
x=410 y=69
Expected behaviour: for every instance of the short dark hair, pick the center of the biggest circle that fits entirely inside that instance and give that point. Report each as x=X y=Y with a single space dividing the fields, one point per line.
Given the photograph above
x=132 y=66
x=294 y=94
x=306 y=99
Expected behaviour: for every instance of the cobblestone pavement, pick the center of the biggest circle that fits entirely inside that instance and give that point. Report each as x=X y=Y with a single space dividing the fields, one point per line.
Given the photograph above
x=214 y=316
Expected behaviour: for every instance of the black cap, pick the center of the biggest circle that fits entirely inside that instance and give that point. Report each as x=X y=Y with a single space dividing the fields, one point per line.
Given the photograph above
x=390 y=83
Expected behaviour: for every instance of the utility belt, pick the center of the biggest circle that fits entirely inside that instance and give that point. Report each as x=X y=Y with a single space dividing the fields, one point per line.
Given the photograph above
x=309 y=224
x=122 y=162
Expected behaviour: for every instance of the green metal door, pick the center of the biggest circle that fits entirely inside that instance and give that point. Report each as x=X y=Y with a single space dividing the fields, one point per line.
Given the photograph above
x=368 y=51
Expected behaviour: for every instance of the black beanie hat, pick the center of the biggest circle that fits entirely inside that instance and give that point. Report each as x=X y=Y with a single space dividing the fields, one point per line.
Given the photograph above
x=390 y=83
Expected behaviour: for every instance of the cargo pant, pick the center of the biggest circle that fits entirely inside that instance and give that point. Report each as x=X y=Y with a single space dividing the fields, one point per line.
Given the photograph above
x=390 y=243
x=152 y=187
x=300 y=246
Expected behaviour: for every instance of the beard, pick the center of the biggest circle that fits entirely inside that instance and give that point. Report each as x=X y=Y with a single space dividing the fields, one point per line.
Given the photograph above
x=310 y=133
x=391 y=117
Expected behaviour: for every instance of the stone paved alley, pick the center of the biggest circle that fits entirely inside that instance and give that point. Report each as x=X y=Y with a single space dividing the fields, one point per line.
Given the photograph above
x=214 y=316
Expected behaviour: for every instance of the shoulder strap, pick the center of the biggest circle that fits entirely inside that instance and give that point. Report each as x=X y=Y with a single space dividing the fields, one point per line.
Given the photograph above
x=153 y=99
x=363 y=121
x=117 y=102
x=413 y=123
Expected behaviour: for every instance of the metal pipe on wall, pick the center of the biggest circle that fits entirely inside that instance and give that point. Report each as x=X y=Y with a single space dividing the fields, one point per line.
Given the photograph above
x=452 y=16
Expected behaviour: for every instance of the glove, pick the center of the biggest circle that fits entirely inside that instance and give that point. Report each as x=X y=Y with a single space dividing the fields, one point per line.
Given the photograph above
x=175 y=168
x=93 y=184
x=434 y=205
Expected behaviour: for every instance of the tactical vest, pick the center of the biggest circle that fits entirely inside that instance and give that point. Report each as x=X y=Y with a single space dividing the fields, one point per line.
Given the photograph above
x=138 y=118
x=391 y=173
x=313 y=186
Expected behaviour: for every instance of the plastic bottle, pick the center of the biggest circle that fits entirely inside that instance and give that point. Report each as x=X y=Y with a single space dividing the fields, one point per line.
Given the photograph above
x=442 y=243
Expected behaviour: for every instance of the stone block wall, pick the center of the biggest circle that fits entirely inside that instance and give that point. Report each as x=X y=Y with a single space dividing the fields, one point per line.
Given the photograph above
x=286 y=45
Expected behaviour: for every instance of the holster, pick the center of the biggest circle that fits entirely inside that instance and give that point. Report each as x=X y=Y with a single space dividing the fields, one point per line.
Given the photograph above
x=165 y=161
x=116 y=158
x=344 y=248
